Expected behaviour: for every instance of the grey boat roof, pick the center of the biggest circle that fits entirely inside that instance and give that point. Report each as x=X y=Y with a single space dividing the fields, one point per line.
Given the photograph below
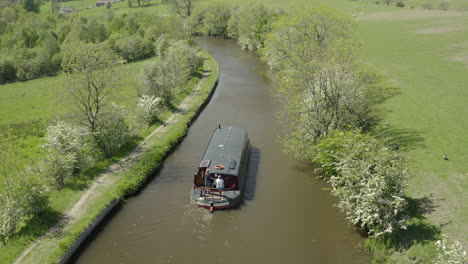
x=225 y=148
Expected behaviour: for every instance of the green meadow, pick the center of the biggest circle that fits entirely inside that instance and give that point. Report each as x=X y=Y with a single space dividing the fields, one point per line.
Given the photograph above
x=27 y=107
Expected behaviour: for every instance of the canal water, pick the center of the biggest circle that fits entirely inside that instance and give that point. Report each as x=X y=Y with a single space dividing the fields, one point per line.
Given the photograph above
x=286 y=216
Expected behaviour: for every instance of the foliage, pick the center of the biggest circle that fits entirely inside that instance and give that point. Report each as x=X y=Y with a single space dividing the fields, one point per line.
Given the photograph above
x=369 y=180
x=69 y=151
x=31 y=5
x=212 y=20
x=22 y=193
x=148 y=107
x=450 y=252
x=322 y=87
x=250 y=24
x=112 y=130
x=183 y=7
x=131 y=47
x=91 y=78
x=166 y=74
x=400 y=4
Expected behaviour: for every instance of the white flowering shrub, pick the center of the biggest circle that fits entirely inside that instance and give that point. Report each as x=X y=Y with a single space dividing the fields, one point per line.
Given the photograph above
x=23 y=193
x=450 y=252
x=112 y=131
x=369 y=180
x=69 y=151
x=148 y=107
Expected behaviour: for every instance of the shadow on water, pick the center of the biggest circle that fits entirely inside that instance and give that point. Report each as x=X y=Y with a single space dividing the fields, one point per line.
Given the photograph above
x=252 y=172
x=307 y=167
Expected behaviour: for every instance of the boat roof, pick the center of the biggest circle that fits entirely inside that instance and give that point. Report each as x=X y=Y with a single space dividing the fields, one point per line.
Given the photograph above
x=225 y=148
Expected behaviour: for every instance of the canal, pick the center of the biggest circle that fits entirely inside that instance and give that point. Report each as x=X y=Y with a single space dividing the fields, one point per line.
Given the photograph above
x=286 y=216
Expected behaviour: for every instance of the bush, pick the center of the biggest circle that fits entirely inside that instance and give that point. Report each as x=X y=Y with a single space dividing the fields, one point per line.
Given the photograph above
x=133 y=47
x=427 y=6
x=108 y=5
x=368 y=178
x=7 y=71
x=450 y=252
x=23 y=193
x=166 y=75
x=250 y=25
x=69 y=149
x=444 y=5
x=148 y=107
x=400 y=4
x=112 y=131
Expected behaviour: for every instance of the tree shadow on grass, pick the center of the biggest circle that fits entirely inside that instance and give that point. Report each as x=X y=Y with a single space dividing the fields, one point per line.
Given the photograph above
x=40 y=223
x=403 y=138
x=418 y=229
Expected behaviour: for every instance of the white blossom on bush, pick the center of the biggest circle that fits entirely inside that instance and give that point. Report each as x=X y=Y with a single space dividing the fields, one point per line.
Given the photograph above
x=148 y=107
x=450 y=252
x=69 y=149
x=369 y=181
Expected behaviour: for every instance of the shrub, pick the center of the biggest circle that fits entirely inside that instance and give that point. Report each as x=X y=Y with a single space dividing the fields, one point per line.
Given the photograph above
x=400 y=4
x=444 y=5
x=23 y=193
x=7 y=71
x=108 y=5
x=148 y=107
x=69 y=151
x=427 y=6
x=112 y=131
x=369 y=180
x=250 y=24
x=167 y=74
x=450 y=252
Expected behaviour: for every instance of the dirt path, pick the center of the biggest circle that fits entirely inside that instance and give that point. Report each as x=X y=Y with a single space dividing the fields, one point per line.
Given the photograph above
x=107 y=178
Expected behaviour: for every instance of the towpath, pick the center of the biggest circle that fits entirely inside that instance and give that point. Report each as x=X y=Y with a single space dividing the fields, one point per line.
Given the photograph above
x=104 y=181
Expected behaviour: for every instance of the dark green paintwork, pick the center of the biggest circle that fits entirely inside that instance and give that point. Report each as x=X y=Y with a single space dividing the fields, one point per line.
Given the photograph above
x=227 y=143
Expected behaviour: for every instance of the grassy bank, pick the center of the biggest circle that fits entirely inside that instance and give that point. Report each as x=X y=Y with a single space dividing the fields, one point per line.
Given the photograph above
x=52 y=248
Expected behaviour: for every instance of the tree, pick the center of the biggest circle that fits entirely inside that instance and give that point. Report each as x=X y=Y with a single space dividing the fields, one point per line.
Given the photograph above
x=112 y=131
x=31 y=5
x=322 y=86
x=183 y=7
x=212 y=20
x=91 y=77
x=163 y=77
x=69 y=151
x=368 y=178
x=22 y=193
x=250 y=24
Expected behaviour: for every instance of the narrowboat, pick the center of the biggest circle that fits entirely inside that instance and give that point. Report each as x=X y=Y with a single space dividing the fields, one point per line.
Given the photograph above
x=226 y=157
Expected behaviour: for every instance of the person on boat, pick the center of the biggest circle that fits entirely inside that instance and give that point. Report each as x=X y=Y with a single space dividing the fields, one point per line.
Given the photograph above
x=219 y=183
x=208 y=179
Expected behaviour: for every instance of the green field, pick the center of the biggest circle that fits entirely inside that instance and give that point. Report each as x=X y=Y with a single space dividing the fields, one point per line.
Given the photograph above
x=27 y=107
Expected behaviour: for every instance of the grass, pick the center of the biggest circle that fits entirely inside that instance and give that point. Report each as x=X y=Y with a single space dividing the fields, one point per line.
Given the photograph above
x=27 y=107
x=52 y=248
